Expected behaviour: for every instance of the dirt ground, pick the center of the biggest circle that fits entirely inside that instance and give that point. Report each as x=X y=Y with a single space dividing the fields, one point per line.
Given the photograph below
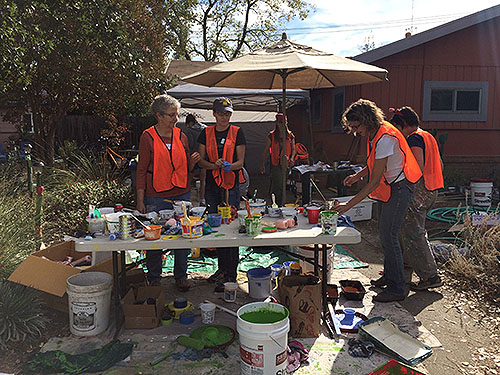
x=467 y=326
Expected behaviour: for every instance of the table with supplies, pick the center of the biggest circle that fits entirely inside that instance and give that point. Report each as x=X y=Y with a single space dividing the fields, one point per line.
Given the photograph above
x=227 y=235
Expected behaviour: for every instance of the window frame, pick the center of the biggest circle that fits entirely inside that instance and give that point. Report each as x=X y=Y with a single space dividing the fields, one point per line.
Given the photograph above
x=481 y=86
x=337 y=129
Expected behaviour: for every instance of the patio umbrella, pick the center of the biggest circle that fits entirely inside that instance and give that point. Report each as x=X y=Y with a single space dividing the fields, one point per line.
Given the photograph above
x=286 y=64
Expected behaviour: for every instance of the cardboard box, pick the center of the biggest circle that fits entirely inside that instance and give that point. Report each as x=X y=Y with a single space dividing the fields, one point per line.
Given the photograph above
x=361 y=211
x=49 y=276
x=143 y=316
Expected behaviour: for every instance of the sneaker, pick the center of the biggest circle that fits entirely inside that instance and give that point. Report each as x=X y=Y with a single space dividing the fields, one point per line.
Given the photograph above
x=433 y=282
x=216 y=277
x=387 y=297
x=182 y=285
x=219 y=288
x=380 y=282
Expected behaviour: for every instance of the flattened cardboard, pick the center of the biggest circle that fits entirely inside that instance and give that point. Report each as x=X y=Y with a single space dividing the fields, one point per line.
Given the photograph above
x=143 y=316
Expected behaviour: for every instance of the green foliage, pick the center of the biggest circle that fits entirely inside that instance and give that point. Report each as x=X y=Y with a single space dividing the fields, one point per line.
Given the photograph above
x=224 y=29
x=16 y=221
x=100 y=56
x=66 y=205
x=20 y=314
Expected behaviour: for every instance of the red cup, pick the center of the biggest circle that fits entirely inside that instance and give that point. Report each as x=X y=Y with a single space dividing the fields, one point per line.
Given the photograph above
x=313 y=215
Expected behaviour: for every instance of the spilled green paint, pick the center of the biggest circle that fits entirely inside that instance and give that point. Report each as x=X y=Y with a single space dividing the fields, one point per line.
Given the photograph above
x=263 y=316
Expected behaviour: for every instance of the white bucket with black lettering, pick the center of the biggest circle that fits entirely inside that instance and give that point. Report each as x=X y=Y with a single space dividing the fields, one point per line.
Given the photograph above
x=481 y=191
x=263 y=346
x=89 y=298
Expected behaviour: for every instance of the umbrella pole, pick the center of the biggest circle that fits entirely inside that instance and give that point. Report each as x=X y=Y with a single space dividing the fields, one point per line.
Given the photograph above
x=284 y=163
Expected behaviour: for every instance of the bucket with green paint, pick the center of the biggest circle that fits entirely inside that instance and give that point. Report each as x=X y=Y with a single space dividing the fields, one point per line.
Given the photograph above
x=263 y=329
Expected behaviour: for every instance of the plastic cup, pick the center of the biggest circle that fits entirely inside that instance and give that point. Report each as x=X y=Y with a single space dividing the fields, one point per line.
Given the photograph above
x=207 y=313
x=329 y=221
x=313 y=215
x=348 y=317
x=276 y=269
x=252 y=225
x=286 y=266
x=230 y=291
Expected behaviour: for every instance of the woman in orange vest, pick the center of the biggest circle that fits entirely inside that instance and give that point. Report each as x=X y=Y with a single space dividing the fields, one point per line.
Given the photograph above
x=392 y=173
x=222 y=152
x=417 y=253
x=274 y=146
x=163 y=172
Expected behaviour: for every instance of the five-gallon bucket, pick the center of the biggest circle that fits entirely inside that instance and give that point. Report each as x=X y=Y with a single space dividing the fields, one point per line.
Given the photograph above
x=89 y=297
x=481 y=191
x=259 y=282
x=263 y=329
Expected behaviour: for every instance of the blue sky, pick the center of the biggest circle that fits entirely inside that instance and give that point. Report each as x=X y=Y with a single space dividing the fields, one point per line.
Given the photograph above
x=341 y=27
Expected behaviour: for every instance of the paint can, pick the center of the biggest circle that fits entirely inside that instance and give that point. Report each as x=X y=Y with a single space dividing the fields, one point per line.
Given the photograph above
x=481 y=191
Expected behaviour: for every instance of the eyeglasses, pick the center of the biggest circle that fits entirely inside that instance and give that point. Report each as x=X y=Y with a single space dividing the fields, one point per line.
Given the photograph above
x=225 y=113
x=172 y=115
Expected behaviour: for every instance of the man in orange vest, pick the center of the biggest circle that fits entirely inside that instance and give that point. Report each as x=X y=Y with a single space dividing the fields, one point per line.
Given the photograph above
x=222 y=152
x=273 y=146
x=393 y=172
x=417 y=253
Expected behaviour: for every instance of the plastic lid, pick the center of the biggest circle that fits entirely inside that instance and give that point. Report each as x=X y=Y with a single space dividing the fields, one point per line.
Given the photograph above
x=480 y=180
x=295 y=266
x=259 y=273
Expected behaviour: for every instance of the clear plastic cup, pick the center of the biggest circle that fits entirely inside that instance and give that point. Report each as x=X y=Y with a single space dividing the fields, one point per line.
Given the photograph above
x=207 y=313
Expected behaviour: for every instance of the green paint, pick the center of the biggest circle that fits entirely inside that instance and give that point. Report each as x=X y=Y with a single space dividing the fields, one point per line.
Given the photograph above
x=263 y=316
x=220 y=235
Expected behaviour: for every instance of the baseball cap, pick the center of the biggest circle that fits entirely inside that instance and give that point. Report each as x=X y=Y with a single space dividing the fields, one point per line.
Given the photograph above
x=222 y=105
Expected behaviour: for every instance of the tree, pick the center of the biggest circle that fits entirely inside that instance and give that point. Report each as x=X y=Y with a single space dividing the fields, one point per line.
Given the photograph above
x=105 y=57
x=225 y=29
x=368 y=44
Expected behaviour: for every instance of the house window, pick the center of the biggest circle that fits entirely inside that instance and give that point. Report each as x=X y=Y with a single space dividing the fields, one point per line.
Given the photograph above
x=455 y=101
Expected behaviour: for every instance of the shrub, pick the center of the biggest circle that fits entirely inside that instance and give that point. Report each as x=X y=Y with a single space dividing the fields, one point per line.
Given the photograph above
x=20 y=314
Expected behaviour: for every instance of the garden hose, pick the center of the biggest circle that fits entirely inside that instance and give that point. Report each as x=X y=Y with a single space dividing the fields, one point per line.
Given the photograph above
x=450 y=214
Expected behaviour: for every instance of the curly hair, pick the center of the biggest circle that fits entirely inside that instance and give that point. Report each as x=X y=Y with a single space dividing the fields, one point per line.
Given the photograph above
x=366 y=112
x=162 y=102
x=405 y=117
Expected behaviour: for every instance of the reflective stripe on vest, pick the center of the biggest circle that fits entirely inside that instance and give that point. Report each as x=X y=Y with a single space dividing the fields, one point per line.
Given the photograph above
x=433 y=173
x=223 y=179
x=410 y=166
x=170 y=167
x=275 y=149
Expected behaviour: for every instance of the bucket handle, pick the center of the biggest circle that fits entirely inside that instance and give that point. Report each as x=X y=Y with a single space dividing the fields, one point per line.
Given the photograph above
x=279 y=332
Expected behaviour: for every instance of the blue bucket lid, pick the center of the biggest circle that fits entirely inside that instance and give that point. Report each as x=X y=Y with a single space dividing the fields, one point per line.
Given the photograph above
x=259 y=273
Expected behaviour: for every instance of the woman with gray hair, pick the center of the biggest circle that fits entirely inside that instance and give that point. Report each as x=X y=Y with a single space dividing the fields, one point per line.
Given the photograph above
x=163 y=173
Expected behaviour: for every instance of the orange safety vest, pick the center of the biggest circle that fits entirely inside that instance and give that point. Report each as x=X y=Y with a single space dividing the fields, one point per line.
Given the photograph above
x=410 y=166
x=170 y=167
x=275 y=151
x=223 y=179
x=433 y=173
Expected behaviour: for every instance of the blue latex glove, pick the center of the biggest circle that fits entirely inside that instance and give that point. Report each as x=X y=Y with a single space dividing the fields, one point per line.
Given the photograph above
x=226 y=167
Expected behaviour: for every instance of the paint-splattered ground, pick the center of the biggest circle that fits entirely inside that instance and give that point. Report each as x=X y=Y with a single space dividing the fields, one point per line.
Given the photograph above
x=326 y=355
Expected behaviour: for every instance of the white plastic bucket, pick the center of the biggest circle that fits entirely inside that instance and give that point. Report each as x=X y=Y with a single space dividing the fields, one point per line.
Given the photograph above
x=481 y=191
x=263 y=346
x=89 y=298
x=259 y=282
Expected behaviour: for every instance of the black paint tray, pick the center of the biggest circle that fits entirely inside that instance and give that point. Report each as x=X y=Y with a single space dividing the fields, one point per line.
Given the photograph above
x=355 y=290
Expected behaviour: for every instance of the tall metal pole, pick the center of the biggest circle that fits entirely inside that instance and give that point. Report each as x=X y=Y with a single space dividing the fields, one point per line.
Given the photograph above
x=284 y=162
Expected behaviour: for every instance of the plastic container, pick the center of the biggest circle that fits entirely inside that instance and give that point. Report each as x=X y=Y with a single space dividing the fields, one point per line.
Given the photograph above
x=313 y=214
x=259 y=282
x=207 y=313
x=329 y=221
x=263 y=346
x=230 y=291
x=214 y=220
x=252 y=225
x=153 y=233
x=192 y=228
x=166 y=214
x=275 y=270
x=89 y=299
x=96 y=225
x=352 y=289
x=198 y=211
x=348 y=317
x=481 y=191
x=295 y=268
x=308 y=252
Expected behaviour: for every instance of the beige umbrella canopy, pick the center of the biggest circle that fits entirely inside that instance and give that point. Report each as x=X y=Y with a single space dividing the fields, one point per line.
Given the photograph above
x=286 y=64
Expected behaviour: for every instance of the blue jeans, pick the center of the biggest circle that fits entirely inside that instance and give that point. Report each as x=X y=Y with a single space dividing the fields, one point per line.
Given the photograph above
x=390 y=220
x=154 y=257
x=227 y=257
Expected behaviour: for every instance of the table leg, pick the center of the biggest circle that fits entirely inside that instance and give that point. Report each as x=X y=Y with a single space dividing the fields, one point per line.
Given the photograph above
x=116 y=298
x=316 y=260
x=324 y=295
x=306 y=189
x=123 y=274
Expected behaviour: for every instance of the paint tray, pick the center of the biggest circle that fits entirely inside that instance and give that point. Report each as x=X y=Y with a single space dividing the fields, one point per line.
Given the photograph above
x=352 y=289
x=389 y=338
